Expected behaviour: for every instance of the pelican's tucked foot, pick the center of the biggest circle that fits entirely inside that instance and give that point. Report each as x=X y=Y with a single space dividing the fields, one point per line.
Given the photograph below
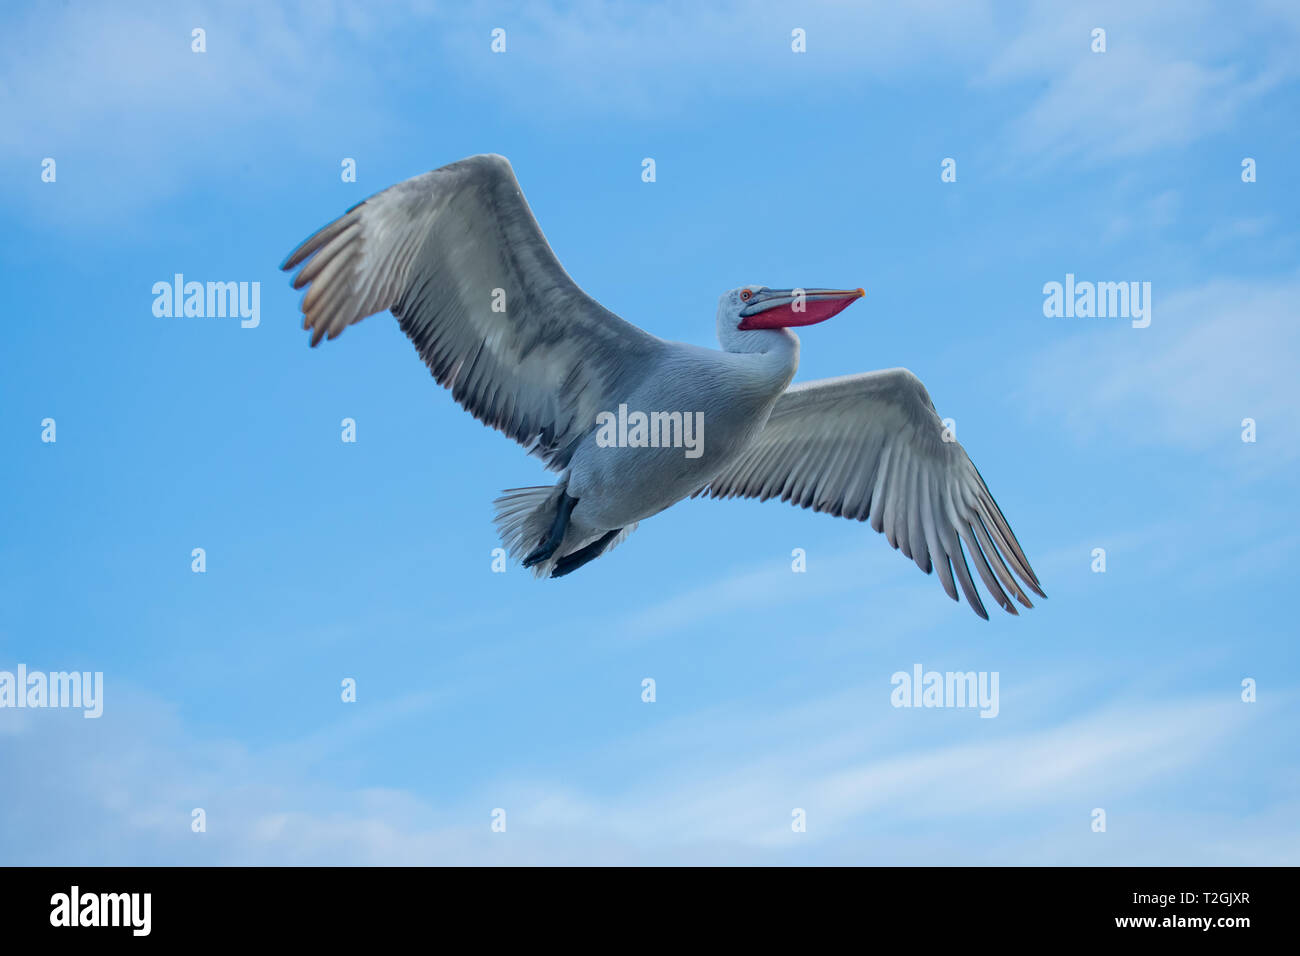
x=571 y=562
x=547 y=546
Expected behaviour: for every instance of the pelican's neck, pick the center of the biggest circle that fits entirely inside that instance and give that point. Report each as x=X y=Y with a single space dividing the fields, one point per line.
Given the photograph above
x=775 y=351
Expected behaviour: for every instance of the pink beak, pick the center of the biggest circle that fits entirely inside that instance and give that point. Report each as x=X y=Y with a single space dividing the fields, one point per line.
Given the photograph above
x=787 y=308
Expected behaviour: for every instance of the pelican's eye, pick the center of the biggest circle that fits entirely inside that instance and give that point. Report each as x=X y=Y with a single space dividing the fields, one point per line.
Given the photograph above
x=746 y=295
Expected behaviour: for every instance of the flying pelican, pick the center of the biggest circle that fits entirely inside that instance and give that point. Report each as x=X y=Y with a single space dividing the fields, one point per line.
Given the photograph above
x=456 y=255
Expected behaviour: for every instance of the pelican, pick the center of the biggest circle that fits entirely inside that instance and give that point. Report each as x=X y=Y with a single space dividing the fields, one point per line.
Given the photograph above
x=632 y=423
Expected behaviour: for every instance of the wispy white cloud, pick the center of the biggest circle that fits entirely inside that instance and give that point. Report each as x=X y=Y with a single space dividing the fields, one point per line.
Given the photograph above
x=138 y=773
x=1212 y=356
x=1158 y=85
x=117 y=95
x=1149 y=216
x=130 y=113
x=755 y=589
x=1245 y=229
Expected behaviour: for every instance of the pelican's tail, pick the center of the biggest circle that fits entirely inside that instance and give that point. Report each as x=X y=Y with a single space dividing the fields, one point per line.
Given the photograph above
x=526 y=516
x=523 y=518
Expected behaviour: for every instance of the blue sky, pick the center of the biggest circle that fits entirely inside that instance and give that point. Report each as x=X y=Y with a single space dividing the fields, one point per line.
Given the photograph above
x=372 y=560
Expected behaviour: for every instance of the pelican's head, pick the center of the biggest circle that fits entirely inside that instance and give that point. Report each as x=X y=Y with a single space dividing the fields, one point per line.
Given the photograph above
x=758 y=307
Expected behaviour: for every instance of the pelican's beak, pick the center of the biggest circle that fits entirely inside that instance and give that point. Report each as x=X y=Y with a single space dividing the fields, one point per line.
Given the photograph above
x=783 y=308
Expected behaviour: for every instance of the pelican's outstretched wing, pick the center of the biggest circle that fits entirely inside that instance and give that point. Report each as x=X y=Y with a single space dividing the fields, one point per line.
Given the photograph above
x=459 y=259
x=872 y=446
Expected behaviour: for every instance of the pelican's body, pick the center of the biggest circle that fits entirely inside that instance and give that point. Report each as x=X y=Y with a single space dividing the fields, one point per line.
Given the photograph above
x=734 y=392
x=457 y=257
